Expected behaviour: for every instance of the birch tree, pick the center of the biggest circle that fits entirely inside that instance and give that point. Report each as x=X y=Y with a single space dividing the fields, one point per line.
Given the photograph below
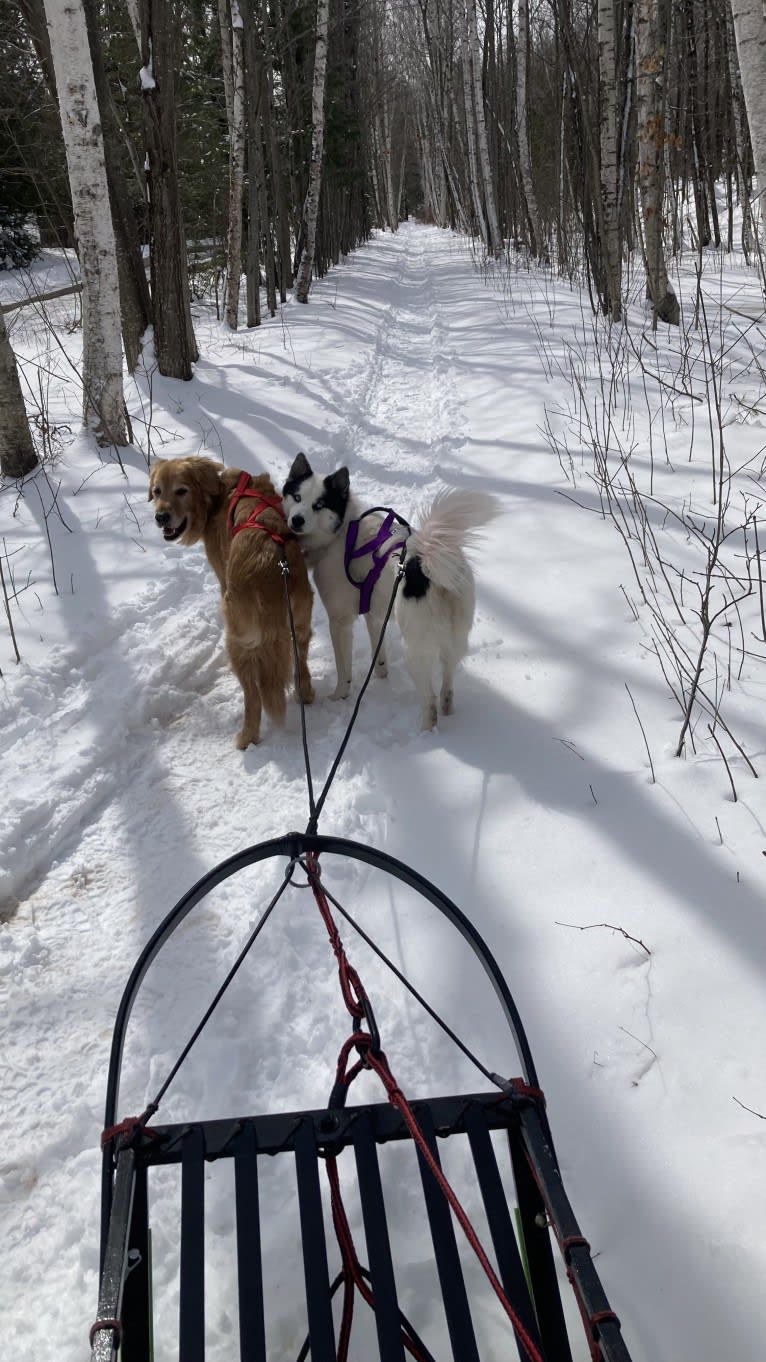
x=103 y=401
x=311 y=206
x=495 y=239
x=470 y=122
x=650 y=71
x=522 y=128
x=750 y=33
x=17 y=452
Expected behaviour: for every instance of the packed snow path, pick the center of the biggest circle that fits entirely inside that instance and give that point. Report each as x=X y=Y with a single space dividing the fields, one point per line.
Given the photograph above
x=531 y=807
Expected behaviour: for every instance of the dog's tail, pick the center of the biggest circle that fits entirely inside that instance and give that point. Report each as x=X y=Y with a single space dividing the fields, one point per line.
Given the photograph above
x=449 y=527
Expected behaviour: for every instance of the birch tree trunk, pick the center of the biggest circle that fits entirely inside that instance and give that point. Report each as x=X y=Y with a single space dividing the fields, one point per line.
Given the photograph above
x=233 y=50
x=650 y=118
x=750 y=33
x=740 y=135
x=470 y=121
x=103 y=401
x=17 y=452
x=135 y=301
x=607 y=67
x=495 y=239
x=522 y=127
x=311 y=206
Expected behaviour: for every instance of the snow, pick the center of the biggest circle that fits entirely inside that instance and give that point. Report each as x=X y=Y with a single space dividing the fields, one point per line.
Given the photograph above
x=533 y=806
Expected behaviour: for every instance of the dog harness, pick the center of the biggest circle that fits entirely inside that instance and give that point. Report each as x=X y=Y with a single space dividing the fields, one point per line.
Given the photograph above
x=264 y=503
x=378 y=549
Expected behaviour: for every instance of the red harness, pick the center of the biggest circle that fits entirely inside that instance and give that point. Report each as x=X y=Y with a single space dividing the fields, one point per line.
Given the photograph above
x=264 y=503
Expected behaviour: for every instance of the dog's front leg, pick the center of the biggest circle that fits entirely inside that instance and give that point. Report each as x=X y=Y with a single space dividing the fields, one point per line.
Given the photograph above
x=342 y=635
x=374 y=624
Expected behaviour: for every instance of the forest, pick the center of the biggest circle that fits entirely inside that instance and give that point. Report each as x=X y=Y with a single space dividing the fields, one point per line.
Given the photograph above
x=514 y=247
x=238 y=150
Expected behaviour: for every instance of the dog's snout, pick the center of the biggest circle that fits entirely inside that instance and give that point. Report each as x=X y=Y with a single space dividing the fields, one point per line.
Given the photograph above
x=297 y=522
x=162 y=518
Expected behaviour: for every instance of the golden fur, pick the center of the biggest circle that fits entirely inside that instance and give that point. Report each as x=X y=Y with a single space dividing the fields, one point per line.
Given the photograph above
x=191 y=502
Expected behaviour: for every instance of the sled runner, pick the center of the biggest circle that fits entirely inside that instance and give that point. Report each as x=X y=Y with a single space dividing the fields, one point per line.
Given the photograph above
x=522 y=1275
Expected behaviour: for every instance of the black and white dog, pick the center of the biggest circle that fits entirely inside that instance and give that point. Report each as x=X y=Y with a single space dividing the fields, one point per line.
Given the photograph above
x=355 y=554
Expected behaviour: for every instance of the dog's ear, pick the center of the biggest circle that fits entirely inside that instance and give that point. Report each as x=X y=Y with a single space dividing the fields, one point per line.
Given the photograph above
x=157 y=463
x=301 y=468
x=206 y=475
x=339 y=481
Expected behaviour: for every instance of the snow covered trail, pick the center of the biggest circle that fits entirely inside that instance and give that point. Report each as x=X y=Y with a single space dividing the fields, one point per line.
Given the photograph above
x=531 y=807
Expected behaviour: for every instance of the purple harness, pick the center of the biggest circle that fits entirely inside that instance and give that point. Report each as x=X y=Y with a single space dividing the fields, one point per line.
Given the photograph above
x=379 y=559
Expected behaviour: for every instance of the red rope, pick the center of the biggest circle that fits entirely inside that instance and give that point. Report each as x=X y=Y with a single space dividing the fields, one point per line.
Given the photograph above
x=106 y=1324
x=130 y=1127
x=362 y=1041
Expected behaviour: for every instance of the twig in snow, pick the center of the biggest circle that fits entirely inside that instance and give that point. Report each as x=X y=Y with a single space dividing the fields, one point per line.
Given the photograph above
x=752 y=1110
x=714 y=736
x=588 y=927
x=643 y=734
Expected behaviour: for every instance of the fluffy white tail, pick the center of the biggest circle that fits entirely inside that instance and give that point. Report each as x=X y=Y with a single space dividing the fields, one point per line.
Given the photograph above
x=446 y=529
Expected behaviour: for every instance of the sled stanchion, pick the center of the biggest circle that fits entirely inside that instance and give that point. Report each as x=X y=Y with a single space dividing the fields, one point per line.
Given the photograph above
x=446 y=1256
x=499 y=1220
x=136 y=1301
x=191 y=1333
x=252 y=1327
x=106 y=1332
x=378 y=1243
x=316 y=1271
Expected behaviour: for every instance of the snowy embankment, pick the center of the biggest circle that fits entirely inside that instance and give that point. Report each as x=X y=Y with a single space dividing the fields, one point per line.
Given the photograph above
x=532 y=807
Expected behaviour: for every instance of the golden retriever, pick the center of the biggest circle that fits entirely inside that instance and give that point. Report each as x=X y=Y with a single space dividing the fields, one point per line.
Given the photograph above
x=195 y=499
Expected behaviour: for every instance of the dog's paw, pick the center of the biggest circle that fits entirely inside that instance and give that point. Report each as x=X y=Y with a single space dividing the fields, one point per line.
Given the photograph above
x=245 y=737
x=381 y=669
x=428 y=718
x=341 y=692
x=307 y=697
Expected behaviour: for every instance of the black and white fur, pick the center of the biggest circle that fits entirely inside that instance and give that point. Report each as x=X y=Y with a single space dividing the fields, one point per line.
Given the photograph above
x=436 y=599
x=435 y=602
x=318 y=511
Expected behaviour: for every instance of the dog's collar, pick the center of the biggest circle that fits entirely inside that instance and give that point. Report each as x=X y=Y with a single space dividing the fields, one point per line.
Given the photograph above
x=378 y=549
x=264 y=503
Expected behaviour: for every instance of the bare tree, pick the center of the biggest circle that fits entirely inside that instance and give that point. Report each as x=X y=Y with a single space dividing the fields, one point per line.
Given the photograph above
x=495 y=239
x=311 y=206
x=234 y=77
x=17 y=451
x=610 y=166
x=103 y=401
x=175 y=345
x=750 y=33
x=522 y=117
x=650 y=112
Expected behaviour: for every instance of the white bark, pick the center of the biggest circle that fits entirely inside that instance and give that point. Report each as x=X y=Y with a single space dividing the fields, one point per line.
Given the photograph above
x=311 y=206
x=17 y=452
x=103 y=401
x=750 y=33
x=495 y=239
x=470 y=122
x=522 y=120
x=234 y=48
